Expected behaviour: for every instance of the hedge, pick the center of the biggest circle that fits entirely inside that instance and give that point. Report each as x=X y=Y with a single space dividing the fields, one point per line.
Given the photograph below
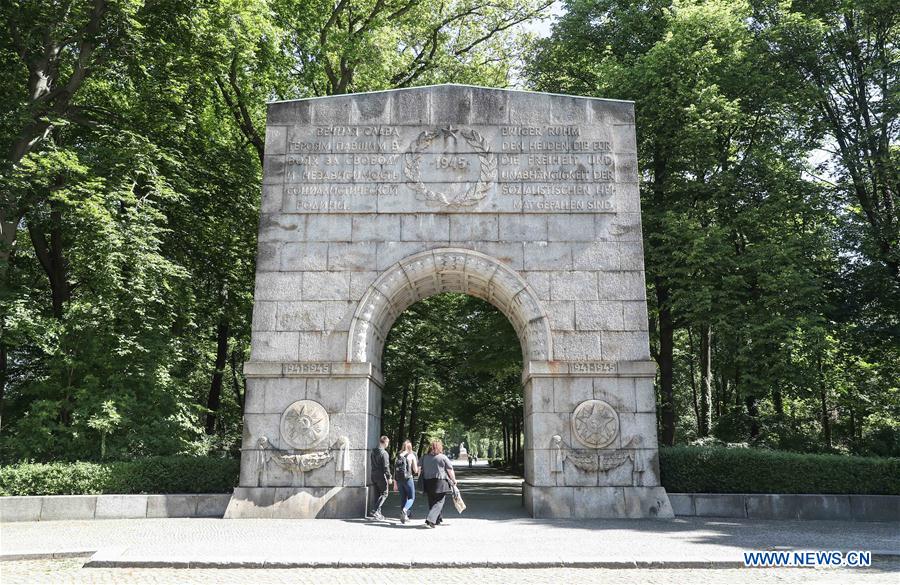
x=683 y=470
x=759 y=471
x=152 y=475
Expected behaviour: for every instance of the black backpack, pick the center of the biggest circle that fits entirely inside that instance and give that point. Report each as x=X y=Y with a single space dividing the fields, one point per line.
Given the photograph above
x=401 y=467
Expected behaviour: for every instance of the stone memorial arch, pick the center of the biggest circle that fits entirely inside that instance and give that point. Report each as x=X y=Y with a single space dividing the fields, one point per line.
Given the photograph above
x=374 y=201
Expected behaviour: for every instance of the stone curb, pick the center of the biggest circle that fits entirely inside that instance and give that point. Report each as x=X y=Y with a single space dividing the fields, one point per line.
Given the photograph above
x=600 y=564
x=111 y=506
x=100 y=559
x=853 y=507
x=60 y=554
x=414 y=565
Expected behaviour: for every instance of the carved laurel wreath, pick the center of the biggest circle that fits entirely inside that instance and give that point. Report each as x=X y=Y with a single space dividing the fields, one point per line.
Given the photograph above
x=475 y=192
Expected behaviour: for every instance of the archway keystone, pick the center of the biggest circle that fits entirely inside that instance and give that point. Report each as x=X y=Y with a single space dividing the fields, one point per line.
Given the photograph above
x=371 y=202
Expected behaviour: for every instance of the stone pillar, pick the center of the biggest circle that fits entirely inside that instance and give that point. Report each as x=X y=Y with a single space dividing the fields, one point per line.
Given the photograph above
x=283 y=401
x=591 y=449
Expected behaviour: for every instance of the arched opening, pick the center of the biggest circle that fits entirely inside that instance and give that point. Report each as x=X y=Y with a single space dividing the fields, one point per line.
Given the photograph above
x=506 y=300
x=452 y=371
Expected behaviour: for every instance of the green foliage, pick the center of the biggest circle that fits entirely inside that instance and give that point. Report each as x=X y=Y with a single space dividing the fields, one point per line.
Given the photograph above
x=760 y=471
x=153 y=475
x=364 y=45
x=742 y=236
x=130 y=205
x=130 y=196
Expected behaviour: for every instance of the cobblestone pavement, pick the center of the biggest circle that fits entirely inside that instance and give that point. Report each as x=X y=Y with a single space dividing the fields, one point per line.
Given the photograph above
x=70 y=571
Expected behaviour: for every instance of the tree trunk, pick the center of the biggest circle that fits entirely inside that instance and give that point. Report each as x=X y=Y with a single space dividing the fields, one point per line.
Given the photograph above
x=237 y=104
x=9 y=224
x=49 y=96
x=521 y=456
x=705 y=380
x=3 y=375
x=414 y=412
x=721 y=394
x=823 y=398
x=517 y=439
x=505 y=431
x=778 y=402
x=516 y=432
x=694 y=380
x=215 y=388
x=512 y=442
x=826 y=420
x=401 y=425
x=423 y=440
x=753 y=413
x=666 y=349
x=52 y=259
x=239 y=393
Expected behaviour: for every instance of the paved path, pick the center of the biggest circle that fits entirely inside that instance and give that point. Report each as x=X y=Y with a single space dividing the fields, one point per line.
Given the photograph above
x=494 y=530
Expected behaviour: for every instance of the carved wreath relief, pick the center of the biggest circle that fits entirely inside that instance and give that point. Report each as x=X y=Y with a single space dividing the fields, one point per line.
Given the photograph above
x=476 y=191
x=584 y=459
x=595 y=423
x=301 y=462
x=304 y=423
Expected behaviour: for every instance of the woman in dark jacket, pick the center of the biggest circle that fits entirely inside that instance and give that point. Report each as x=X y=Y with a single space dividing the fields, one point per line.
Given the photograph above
x=437 y=472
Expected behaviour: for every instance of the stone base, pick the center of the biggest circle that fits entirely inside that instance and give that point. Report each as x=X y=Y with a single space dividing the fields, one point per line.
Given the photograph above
x=597 y=502
x=297 y=502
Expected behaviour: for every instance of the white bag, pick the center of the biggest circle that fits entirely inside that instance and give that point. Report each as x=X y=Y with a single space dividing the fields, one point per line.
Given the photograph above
x=458 y=502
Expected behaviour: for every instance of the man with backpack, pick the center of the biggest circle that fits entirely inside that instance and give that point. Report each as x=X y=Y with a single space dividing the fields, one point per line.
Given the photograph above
x=406 y=468
x=381 y=474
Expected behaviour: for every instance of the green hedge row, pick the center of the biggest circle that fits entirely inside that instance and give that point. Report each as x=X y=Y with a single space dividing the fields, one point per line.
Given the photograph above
x=153 y=475
x=758 y=471
x=683 y=470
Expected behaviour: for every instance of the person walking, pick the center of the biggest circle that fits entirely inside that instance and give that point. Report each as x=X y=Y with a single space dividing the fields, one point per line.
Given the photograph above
x=381 y=474
x=438 y=474
x=406 y=468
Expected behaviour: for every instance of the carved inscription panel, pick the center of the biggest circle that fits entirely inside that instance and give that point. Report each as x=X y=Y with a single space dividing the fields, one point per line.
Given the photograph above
x=574 y=166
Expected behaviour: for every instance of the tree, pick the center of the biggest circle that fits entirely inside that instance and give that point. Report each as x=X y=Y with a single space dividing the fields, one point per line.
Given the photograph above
x=56 y=46
x=135 y=138
x=846 y=54
x=740 y=238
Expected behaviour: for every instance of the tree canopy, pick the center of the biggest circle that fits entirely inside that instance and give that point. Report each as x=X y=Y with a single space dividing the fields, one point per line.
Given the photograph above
x=129 y=201
x=772 y=288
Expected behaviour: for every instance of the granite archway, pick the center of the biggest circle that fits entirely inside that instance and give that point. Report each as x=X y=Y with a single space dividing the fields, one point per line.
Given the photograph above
x=373 y=201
